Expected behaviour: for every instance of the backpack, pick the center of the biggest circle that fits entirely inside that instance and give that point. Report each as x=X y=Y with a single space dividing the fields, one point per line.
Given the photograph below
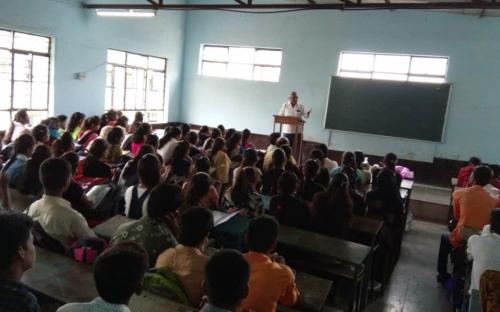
x=87 y=250
x=163 y=282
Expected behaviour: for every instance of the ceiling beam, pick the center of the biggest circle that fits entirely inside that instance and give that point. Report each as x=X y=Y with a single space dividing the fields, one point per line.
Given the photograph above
x=241 y=2
x=307 y=6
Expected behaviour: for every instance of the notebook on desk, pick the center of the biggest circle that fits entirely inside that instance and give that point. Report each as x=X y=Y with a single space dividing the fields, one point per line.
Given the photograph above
x=221 y=217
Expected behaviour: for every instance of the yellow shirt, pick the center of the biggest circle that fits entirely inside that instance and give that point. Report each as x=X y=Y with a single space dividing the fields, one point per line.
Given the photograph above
x=270 y=282
x=188 y=264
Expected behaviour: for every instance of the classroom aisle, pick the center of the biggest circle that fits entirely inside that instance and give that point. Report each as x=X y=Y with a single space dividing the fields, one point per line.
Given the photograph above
x=413 y=284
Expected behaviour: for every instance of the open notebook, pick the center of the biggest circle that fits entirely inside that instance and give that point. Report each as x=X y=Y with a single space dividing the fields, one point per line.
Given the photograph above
x=222 y=217
x=97 y=194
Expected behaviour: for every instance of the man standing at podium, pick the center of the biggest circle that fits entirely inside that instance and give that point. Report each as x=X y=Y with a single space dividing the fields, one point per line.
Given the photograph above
x=293 y=108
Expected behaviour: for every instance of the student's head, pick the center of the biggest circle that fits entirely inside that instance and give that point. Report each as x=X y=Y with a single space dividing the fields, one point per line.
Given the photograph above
x=349 y=159
x=148 y=171
x=192 y=138
x=229 y=133
x=24 y=144
x=262 y=234
x=185 y=128
x=21 y=116
x=219 y=145
x=279 y=159
x=246 y=180
x=481 y=175
x=62 y=120
x=122 y=121
x=245 y=135
x=181 y=151
x=63 y=144
x=202 y=164
x=171 y=133
x=311 y=169
x=226 y=279
x=390 y=161
x=318 y=154
x=215 y=133
x=222 y=130
x=143 y=150
x=17 y=251
x=55 y=175
x=250 y=158
x=76 y=120
x=287 y=183
x=98 y=148
x=322 y=147
x=199 y=186
x=204 y=130
x=40 y=134
x=196 y=223
x=340 y=182
x=287 y=149
x=360 y=156
x=273 y=137
x=495 y=221
x=475 y=161
x=140 y=133
x=40 y=153
x=164 y=199
x=138 y=117
x=496 y=170
x=72 y=159
x=119 y=271
x=282 y=141
x=115 y=136
x=152 y=140
x=233 y=142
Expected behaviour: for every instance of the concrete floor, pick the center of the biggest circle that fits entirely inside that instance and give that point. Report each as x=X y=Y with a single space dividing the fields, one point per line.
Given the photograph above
x=413 y=285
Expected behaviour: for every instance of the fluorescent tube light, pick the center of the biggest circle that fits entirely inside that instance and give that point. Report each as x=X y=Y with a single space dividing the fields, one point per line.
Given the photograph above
x=125 y=13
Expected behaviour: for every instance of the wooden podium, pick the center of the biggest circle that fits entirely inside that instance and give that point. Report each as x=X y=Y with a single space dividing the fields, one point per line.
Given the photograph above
x=296 y=122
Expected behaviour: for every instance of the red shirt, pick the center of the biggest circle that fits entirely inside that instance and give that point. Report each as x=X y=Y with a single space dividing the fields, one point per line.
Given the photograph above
x=464 y=175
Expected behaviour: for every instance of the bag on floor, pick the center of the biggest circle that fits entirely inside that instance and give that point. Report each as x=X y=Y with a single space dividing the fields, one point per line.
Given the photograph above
x=87 y=250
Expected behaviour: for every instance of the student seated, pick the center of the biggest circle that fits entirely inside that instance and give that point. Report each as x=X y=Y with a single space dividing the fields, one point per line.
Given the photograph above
x=186 y=259
x=54 y=213
x=75 y=194
x=199 y=192
x=114 y=153
x=41 y=135
x=366 y=176
x=75 y=124
x=18 y=127
x=270 y=177
x=118 y=275
x=179 y=165
x=226 y=281
x=185 y=128
x=484 y=250
x=23 y=148
x=129 y=174
x=207 y=145
x=291 y=164
x=139 y=137
x=157 y=230
x=203 y=135
x=250 y=159
x=271 y=280
x=93 y=165
x=245 y=139
x=192 y=139
x=233 y=145
x=348 y=160
x=267 y=160
x=221 y=163
x=136 y=197
x=62 y=123
x=495 y=178
x=465 y=173
x=309 y=186
x=63 y=145
x=328 y=164
x=29 y=181
x=333 y=208
x=471 y=207
x=169 y=142
x=17 y=254
x=286 y=207
x=89 y=132
x=243 y=194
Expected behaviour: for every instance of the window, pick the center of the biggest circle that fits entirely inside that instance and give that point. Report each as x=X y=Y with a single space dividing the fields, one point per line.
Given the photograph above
x=135 y=83
x=241 y=62
x=24 y=76
x=393 y=67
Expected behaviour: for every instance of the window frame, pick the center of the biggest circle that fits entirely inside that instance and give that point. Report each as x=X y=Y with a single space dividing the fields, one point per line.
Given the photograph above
x=125 y=66
x=408 y=73
x=253 y=64
x=15 y=51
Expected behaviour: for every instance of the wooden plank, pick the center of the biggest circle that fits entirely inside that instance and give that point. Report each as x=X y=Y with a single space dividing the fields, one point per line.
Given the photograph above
x=366 y=225
x=108 y=227
x=313 y=292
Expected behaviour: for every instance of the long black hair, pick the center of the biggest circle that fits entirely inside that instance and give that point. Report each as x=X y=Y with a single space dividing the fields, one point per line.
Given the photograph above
x=22 y=145
x=172 y=133
x=75 y=120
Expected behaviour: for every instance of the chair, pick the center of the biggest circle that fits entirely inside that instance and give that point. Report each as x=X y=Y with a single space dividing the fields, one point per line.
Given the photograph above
x=490 y=291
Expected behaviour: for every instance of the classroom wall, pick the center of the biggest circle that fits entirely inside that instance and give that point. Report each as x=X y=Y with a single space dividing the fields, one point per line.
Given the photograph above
x=81 y=40
x=311 y=43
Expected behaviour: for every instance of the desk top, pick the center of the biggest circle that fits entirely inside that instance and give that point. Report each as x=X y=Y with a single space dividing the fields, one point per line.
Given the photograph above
x=313 y=291
x=108 y=227
x=151 y=303
x=366 y=225
x=60 y=278
x=338 y=249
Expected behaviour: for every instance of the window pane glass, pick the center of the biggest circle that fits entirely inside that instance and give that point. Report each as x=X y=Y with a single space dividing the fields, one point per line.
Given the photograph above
x=5 y=39
x=241 y=55
x=154 y=116
x=426 y=79
x=5 y=78
x=156 y=63
x=392 y=63
x=22 y=94
x=266 y=73
x=119 y=88
x=137 y=60
x=240 y=71
x=219 y=54
x=356 y=61
x=355 y=75
x=5 y=120
x=40 y=68
x=268 y=57
x=429 y=65
x=155 y=90
x=117 y=57
x=39 y=95
x=31 y=43
x=36 y=117
x=214 y=69
x=22 y=67
x=398 y=77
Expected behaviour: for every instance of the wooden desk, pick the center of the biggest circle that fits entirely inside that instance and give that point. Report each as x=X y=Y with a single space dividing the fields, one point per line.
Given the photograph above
x=367 y=226
x=313 y=292
x=60 y=278
x=149 y=302
x=108 y=227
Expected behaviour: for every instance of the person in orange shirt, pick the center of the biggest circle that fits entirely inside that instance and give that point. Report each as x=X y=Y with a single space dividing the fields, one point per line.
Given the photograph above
x=472 y=207
x=271 y=280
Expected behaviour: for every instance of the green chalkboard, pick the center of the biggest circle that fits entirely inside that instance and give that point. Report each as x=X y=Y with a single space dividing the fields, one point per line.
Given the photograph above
x=412 y=110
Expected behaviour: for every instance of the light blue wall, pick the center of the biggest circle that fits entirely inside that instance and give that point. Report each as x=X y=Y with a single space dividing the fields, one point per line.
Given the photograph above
x=311 y=43
x=81 y=40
